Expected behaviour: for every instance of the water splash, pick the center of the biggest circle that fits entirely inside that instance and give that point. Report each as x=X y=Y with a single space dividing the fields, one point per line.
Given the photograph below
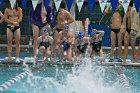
x=84 y=78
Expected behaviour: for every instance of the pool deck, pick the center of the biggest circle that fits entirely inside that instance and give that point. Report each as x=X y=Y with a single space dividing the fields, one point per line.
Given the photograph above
x=13 y=63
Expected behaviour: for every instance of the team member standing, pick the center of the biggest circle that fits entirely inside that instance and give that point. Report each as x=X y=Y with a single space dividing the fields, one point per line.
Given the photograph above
x=13 y=16
x=130 y=28
x=116 y=21
x=39 y=19
x=63 y=17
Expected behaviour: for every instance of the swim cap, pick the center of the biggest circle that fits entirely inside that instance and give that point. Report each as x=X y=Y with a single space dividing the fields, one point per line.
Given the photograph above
x=92 y=33
x=66 y=26
x=80 y=35
x=45 y=30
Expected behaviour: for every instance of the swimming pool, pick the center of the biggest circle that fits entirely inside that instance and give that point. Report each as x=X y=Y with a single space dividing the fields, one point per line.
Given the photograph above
x=84 y=78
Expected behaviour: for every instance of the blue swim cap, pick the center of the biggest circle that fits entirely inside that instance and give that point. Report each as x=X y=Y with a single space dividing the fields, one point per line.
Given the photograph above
x=80 y=35
x=92 y=33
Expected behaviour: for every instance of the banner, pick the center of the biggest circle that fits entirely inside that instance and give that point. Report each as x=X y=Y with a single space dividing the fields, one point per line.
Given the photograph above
x=34 y=3
x=24 y=3
x=137 y=4
x=46 y=3
x=125 y=4
x=91 y=5
x=57 y=4
x=79 y=4
x=1 y=3
x=69 y=4
x=114 y=4
x=102 y=4
x=12 y=2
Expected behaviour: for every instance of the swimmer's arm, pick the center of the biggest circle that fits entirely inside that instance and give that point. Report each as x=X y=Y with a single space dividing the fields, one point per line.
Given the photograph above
x=107 y=9
x=135 y=18
x=51 y=46
x=20 y=15
x=6 y=17
x=2 y=17
x=123 y=26
x=86 y=38
x=70 y=18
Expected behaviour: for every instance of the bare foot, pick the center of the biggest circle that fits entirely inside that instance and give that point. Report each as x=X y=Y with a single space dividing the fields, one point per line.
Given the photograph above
x=124 y=62
x=8 y=58
x=135 y=62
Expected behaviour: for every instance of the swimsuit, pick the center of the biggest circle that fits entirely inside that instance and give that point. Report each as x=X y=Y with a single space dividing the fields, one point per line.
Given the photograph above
x=82 y=48
x=115 y=30
x=65 y=44
x=58 y=30
x=35 y=16
x=96 y=46
x=14 y=29
x=128 y=30
x=45 y=44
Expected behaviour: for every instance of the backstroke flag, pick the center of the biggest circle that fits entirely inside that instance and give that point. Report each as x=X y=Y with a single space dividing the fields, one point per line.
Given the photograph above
x=12 y=2
x=24 y=2
x=79 y=4
x=46 y=3
x=34 y=3
x=102 y=4
x=137 y=4
x=1 y=3
x=69 y=4
x=91 y=5
x=114 y=4
x=57 y=4
x=125 y=4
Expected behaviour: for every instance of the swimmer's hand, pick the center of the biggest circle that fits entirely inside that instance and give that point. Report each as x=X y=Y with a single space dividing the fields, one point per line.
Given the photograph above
x=12 y=27
x=15 y=23
x=65 y=39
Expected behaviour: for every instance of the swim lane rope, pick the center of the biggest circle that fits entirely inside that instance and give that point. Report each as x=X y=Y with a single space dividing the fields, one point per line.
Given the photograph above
x=125 y=83
x=13 y=80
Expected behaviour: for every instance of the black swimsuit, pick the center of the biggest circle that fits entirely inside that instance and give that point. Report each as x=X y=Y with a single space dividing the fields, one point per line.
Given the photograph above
x=96 y=46
x=58 y=30
x=14 y=29
x=82 y=48
x=128 y=30
x=115 y=30
x=45 y=44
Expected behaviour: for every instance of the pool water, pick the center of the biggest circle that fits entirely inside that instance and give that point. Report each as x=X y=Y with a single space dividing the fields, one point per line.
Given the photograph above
x=7 y=73
x=85 y=78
